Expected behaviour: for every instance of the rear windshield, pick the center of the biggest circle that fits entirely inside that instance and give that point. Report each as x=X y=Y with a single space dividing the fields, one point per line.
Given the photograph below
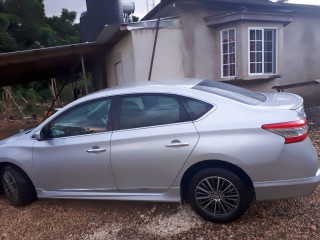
x=232 y=92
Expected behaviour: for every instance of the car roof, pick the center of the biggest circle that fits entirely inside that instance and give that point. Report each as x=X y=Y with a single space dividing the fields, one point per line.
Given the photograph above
x=186 y=83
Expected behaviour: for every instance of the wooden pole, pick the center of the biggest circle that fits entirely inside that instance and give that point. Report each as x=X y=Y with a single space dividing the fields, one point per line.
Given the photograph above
x=84 y=74
x=155 y=42
x=15 y=103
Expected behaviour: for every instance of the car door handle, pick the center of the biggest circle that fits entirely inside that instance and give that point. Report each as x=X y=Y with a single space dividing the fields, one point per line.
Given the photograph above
x=96 y=150
x=178 y=145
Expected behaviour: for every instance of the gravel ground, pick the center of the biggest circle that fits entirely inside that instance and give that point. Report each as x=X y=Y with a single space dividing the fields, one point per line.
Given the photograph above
x=94 y=220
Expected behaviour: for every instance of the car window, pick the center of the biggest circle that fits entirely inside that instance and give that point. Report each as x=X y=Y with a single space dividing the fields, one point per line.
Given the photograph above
x=195 y=108
x=85 y=119
x=150 y=110
x=232 y=92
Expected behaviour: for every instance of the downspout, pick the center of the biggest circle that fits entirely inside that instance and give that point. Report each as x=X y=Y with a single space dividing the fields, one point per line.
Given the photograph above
x=155 y=41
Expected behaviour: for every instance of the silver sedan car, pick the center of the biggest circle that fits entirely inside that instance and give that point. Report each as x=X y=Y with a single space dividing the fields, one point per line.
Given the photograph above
x=214 y=145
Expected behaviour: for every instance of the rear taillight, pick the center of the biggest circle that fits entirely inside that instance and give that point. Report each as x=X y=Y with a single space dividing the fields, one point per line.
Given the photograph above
x=301 y=112
x=293 y=132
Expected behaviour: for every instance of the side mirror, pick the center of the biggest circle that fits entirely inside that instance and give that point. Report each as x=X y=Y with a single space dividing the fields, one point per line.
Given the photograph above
x=38 y=136
x=42 y=134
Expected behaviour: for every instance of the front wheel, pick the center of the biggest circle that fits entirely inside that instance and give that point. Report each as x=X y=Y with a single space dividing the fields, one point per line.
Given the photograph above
x=17 y=187
x=218 y=195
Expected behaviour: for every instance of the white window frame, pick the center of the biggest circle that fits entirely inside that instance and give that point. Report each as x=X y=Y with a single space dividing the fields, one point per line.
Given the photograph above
x=235 y=52
x=276 y=50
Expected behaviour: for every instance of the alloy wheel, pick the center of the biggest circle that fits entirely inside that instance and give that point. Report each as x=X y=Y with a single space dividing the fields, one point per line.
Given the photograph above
x=10 y=186
x=217 y=196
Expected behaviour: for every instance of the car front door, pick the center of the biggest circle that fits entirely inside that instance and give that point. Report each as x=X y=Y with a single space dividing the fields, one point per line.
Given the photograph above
x=75 y=155
x=154 y=139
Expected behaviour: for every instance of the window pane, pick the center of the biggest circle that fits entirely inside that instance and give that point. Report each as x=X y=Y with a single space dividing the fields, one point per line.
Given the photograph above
x=225 y=59
x=225 y=36
x=259 y=67
x=195 y=108
x=268 y=57
x=232 y=37
x=232 y=58
x=268 y=36
x=259 y=46
x=259 y=34
x=232 y=47
x=231 y=92
x=259 y=57
x=268 y=67
x=86 y=119
x=225 y=48
x=253 y=57
x=253 y=68
x=154 y=110
x=252 y=35
x=226 y=70
x=232 y=70
x=228 y=57
x=262 y=53
x=268 y=46
x=252 y=46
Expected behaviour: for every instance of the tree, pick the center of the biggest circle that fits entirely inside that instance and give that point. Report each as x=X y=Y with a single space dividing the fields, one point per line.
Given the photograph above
x=65 y=30
x=135 y=18
x=25 y=19
x=23 y=25
x=7 y=42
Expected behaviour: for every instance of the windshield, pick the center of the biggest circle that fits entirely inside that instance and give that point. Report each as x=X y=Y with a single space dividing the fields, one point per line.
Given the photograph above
x=232 y=92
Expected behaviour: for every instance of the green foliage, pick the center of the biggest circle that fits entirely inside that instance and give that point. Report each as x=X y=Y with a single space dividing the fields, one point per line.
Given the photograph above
x=135 y=18
x=26 y=16
x=23 y=25
x=66 y=31
x=4 y=22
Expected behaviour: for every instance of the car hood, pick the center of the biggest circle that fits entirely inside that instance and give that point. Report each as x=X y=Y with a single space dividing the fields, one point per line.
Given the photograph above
x=14 y=137
x=283 y=101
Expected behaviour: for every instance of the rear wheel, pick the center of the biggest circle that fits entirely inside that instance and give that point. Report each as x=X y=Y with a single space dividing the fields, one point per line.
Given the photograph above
x=218 y=195
x=17 y=187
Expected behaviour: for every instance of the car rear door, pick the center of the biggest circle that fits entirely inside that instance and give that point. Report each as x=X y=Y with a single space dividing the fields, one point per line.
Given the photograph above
x=153 y=139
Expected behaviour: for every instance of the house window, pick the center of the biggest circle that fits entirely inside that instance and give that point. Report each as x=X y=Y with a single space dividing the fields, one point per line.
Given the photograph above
x=228 y=52
x=262 y=51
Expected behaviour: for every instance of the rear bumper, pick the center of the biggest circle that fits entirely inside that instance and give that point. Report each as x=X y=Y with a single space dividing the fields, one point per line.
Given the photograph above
x=286 y=189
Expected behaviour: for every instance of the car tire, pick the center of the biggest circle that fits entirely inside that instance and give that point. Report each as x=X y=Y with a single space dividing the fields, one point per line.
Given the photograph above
x=17 y=187
x=219 y=195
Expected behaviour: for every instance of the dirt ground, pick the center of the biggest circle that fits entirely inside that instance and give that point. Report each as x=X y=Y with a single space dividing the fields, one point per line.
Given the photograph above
x=9 y=128
x=96 y=220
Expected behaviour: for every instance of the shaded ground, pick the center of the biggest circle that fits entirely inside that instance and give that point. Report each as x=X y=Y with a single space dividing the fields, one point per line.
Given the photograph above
x=72 y=219
x=9 y=128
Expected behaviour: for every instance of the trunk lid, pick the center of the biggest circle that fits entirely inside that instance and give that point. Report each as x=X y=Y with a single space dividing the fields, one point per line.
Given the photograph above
x=283 y=100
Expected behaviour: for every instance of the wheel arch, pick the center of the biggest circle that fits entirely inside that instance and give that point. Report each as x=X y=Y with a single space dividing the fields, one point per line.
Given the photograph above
x=19 y=169
x=187 y=176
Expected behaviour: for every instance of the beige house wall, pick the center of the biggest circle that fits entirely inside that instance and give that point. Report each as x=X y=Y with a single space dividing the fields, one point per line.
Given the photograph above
x=200 y=43
x=301 y=58
x=122 y=53
x=168 y=60
x=298 y=51
x=194 y=51
x=202 y=47
x=134 y=53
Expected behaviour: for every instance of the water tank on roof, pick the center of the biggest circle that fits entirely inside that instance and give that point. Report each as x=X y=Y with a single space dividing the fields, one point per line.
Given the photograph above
x=84 y=27
x=99 y=14
x=128 y=7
